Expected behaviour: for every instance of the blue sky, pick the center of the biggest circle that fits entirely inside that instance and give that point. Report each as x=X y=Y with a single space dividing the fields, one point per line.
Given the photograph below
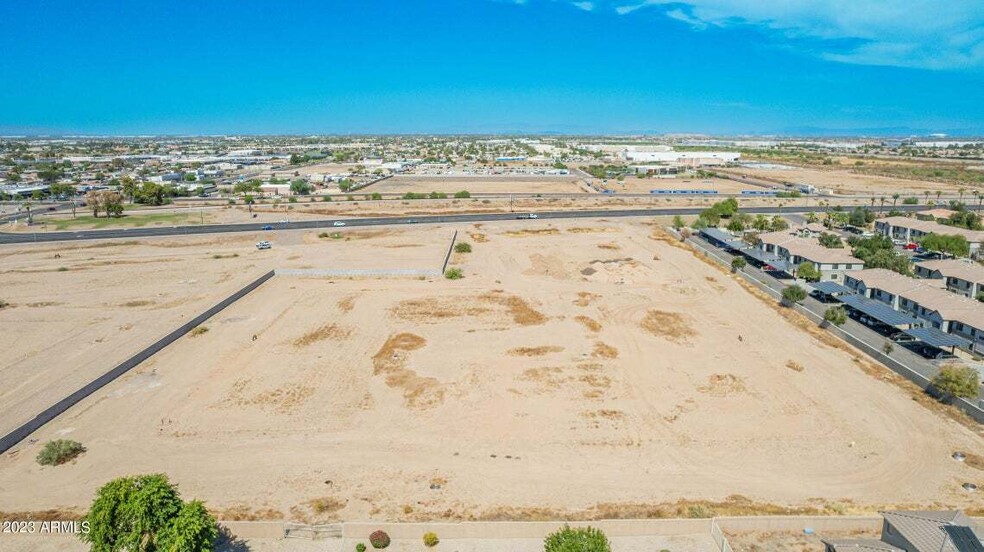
x=490 y=66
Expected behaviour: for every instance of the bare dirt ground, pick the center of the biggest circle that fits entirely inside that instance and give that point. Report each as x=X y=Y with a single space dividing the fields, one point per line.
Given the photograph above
x=633 y=185
x=78 y=310
x=782 y=541
x=478 y=184
x=844 y=181
x=584 y=352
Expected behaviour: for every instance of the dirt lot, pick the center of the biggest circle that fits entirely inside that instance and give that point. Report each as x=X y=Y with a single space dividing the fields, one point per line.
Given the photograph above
x=479 y=184
x=584 y=352
x=633 y=185
x=844 y=181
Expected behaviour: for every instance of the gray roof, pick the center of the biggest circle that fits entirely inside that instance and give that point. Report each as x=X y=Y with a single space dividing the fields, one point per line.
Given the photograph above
x=964 y=538
x=830 y=287
x=878 y=310
x=860 y=545
x=926 y=530
x=938 y=338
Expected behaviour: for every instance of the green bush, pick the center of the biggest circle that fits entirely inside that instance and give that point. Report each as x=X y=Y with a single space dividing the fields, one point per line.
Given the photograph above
x=323 y=235
x=582 y=539
x=59 y=451
x=957 y=380
x=793 y=294
x=454 y=274
x=463 y=194
x=361 y=547
x=4 y=304
x=379 y=539
x=463 y=247
x=430 y=539
x=325 y=198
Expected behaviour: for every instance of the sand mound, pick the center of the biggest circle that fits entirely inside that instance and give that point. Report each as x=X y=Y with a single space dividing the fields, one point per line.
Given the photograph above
x=544 y=265
x=534 y=351
x=328 y=331
x=390 y=360
x=672 y=326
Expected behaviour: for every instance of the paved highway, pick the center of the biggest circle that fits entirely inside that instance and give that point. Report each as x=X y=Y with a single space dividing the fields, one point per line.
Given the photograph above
x=130 y=233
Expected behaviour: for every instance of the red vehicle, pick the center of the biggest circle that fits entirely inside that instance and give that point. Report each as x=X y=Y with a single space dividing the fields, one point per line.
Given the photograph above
x=911 y=246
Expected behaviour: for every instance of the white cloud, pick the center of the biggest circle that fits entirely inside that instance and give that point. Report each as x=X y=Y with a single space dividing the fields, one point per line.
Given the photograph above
x=930 y=34
x=586 y=6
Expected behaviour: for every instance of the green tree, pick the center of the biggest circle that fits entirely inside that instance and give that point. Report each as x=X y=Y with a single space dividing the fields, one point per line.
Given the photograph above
x=463 y=194
x=678 y=222
x=62 y=189
x=247 y=186
x=580 y=539
x=793 y=294
x=193 y=529
x=948 y=244
x=808 y=272
x=778 y=224
x=738 y=263
x=957 y=380
x=835 y=315
x=831 y=241
x=145 y=514
x=301 y=187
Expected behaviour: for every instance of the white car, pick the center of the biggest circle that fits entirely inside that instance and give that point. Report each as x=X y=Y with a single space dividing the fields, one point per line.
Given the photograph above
x=263 y=245
x=338 y=223
x=533 y=215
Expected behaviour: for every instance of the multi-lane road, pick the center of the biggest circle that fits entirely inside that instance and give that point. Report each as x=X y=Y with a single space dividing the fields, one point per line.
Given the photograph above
x=131 y=233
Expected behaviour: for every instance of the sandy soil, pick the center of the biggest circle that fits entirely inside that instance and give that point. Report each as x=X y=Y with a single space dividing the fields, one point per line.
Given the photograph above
x=583 y=352
x=844 y=181
x=643 y=186
x=479 y=184
x=113 y=298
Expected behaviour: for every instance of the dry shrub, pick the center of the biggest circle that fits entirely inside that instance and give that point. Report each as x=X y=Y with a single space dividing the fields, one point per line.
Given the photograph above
x=610 y=246
x=974 y=460
x=198 y=330
x=590 y=323
x=793 y=365
x=247 y=513
x=478 y=237
x=521 y=311
x=420 y=310
x=602 y=350
x=673 y=326
x=138 y=303
x=346 y=304
x=584 y=230
x=723 y=385
x=585 y=298
x=390 y=360
x=534 y=351
x=328 y=505
x=532 y=232
x=328 y=331
x=603 y=413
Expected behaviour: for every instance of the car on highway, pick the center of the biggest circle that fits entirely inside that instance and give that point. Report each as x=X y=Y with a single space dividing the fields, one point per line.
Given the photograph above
x=338 y=223
x=267 y=227
x=263 y=245
x=412 y=221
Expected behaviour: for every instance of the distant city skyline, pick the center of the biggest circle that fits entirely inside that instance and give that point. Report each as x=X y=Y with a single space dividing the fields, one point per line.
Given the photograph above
x=492 y=67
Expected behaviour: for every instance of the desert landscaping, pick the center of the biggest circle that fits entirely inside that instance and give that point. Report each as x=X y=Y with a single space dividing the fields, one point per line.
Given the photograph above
x=589 y=369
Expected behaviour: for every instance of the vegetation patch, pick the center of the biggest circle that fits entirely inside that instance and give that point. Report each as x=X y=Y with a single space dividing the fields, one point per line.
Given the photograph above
x=390 y=361
x=602 y=350
x=59 y=452
x=672 y=326
x=590 y=323
x=534 y=351
x=328 y=331
x=197 y=331
x=463 y=247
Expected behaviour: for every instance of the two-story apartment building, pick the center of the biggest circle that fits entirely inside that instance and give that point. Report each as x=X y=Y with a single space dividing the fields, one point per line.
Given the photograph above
x=963 y=277
x=832 y=263
x=909 y=229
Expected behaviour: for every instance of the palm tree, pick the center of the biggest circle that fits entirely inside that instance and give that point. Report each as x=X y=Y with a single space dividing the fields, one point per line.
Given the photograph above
x=926 y=193
x=938 y=194
x=881 y=209
x=30 y=218
x=895 y=198
x=979 y=196
x=961 y=192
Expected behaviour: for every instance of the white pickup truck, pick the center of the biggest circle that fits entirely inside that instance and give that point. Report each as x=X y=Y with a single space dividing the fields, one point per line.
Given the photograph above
x=263 y=245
